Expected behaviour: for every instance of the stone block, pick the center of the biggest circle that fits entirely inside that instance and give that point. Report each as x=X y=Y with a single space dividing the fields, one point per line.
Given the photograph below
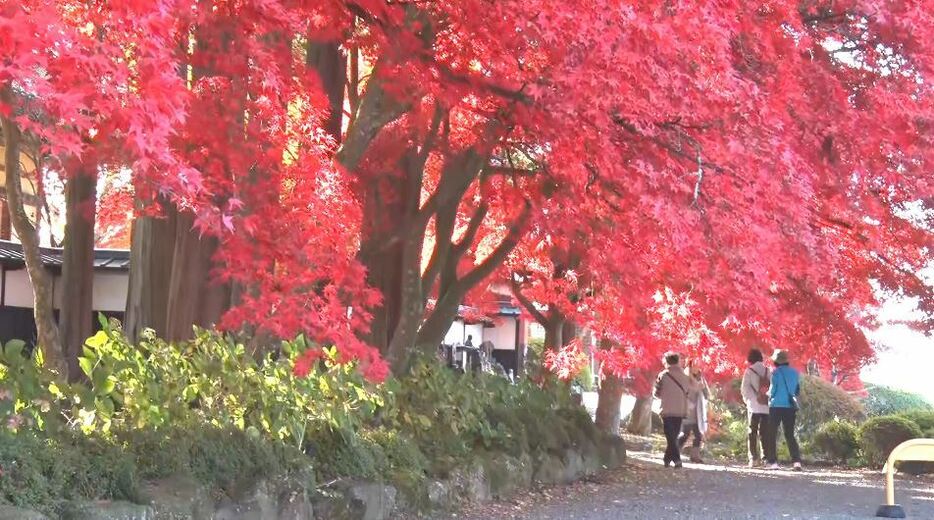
x=105 y=510
x=549 y=469
x=16 y=513
x=178 y=498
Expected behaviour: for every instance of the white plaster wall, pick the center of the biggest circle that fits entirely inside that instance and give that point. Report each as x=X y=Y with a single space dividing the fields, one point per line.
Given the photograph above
x=18 y=289
x=503 y=335
x=477 y=332
x=455 y=335
x=109 y=290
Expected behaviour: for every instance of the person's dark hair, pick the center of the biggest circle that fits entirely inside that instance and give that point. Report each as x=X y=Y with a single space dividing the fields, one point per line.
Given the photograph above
x=672 y=359
x=755 y=356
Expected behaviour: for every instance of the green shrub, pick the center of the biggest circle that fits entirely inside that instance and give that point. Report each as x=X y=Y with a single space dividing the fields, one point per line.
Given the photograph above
x=884 y=400
x=436 y=407
x=880 y=435
x=407 y=468
x=450 y=415
x=38 y=472
x=401 y=452
x=925 y=421
x=822 y=402
x=220 y=457
x=205 y=408
x=923 y=418
x=838 y=440
x=729 y=441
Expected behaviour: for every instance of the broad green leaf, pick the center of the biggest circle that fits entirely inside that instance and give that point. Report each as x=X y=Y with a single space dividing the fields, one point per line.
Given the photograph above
x=97 y=341
x=87 y=366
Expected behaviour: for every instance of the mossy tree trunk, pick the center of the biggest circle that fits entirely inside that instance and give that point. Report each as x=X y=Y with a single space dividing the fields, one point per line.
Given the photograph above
x=47 y=333
x=610 y=397
x=640 y=420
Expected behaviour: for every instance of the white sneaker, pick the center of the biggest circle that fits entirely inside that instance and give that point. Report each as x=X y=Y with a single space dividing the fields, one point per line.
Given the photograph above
x=773 y=466
x=797 y=466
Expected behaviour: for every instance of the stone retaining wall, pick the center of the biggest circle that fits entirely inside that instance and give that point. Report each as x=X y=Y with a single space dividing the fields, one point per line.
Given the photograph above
x=490 y=476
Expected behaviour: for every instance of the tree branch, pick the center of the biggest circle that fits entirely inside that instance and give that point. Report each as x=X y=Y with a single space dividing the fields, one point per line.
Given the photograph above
x=470 y=233
x=537 y=315
x=376 y=110
x=491 y=262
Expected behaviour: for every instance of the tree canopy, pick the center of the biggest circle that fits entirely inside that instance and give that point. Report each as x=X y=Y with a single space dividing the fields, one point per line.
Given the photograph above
x=714 y=174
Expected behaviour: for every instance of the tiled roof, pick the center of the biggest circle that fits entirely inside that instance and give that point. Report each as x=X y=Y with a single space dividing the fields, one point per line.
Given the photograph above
x=11 y=255
x=505 y=309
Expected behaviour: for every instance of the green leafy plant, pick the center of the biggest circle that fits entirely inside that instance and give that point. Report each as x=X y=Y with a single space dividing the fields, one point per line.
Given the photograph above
x=437 y=408
x=212 y=379
x=29 y=395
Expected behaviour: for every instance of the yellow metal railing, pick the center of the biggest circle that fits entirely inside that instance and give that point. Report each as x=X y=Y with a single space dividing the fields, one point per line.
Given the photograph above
x=921 y=450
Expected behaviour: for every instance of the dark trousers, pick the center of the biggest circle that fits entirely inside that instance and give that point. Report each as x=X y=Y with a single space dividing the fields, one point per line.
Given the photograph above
x=786 y=418
x=689 y=430
x=757 y=435
x=672 y=429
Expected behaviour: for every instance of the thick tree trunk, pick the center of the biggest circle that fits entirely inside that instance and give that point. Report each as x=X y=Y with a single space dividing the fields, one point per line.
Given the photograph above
x=554 y=334
x=194 y=298
x=383 y=270
x=412 y=306
x=610 y=397
x=78 y=266
x=383 y=257
x=640 y=420
x=331 y=64
x=43 y=306
x=392 y=252
x=558 y=330
x=151 y=253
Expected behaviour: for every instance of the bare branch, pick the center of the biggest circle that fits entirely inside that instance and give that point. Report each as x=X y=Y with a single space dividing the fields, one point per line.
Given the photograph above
x=700 y=177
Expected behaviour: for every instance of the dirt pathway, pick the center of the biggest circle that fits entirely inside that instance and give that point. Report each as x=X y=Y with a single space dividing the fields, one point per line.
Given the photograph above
x=644 y=489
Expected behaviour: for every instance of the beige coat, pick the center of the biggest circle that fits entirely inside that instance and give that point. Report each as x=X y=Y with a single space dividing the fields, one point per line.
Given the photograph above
x=672 y=388
x=750 y=385
x=698 y=394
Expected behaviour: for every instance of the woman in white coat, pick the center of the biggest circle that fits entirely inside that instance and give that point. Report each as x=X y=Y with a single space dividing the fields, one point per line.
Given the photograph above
x=695 y=423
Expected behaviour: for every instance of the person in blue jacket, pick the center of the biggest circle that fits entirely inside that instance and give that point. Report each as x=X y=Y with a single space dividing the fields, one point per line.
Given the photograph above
x=783 y=406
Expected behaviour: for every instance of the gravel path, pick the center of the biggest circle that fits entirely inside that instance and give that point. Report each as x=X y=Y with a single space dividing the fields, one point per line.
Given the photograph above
x=644 y=489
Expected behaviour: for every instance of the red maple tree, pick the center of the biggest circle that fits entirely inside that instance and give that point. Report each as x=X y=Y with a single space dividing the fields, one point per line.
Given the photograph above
x=771 y=161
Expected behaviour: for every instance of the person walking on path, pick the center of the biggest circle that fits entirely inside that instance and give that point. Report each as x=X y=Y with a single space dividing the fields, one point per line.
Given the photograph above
x=695 y=423
x=783 y=406
x=671 y=388
x=755 y=392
